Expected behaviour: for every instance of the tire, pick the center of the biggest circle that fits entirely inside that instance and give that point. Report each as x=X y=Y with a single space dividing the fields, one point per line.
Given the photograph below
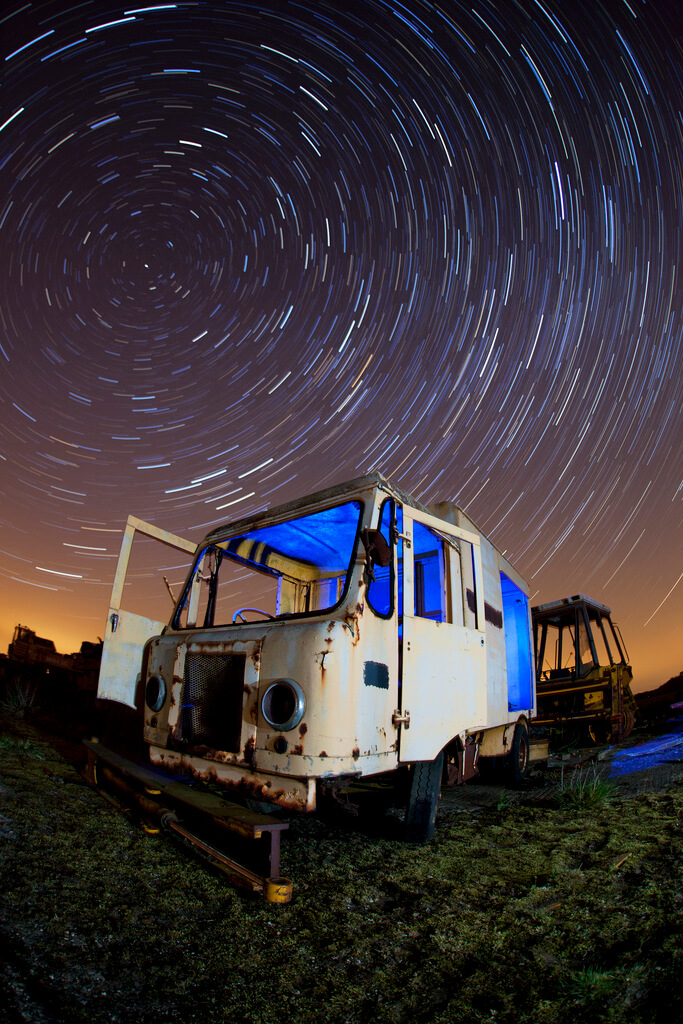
x=517 y=761
x=628 y=721
x=599 y=732
x=423 y=800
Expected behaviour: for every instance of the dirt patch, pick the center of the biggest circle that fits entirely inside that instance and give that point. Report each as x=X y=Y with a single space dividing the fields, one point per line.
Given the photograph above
x=514 y=909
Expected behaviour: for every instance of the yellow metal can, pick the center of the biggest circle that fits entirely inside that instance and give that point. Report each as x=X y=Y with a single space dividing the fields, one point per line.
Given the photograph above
x=278 y=890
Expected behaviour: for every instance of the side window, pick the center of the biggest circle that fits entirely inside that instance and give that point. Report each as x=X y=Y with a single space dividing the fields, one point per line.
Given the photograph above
x=585 y=655
x=429 y=574
x=602 y=645
x=517 y=647
x=468 y=584
x=380 y=591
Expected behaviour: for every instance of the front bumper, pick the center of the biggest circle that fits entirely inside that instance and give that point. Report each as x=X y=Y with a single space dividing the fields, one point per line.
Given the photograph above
x=291 y=794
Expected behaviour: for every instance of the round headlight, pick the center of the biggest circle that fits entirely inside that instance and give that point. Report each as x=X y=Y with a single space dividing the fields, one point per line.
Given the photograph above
x=283 y=704
x=155 y=693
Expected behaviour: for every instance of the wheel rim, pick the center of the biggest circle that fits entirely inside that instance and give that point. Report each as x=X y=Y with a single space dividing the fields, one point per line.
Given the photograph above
x=523 y=755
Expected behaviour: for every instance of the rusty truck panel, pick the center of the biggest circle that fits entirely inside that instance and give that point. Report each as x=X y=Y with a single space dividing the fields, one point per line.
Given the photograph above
x=342 y=636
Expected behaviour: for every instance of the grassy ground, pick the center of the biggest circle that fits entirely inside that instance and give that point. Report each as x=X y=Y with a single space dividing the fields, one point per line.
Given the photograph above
x=544 y=914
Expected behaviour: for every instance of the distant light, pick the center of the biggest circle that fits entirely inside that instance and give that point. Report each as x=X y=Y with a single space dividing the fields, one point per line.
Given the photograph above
x=26 y=45
x=55 y=572
x=227 y=504
x=10 y=119
x=160 y=7
x=97 y=28
x=250 y=471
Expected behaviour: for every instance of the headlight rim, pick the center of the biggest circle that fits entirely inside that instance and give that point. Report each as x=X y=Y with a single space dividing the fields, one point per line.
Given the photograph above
x=162 y=691
x=299 y=705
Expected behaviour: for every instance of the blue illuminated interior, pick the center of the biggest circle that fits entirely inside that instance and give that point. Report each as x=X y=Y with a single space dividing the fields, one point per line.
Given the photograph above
x=379 y=591
x=427 y=569
x=428 y=560
x=324 y=539
x=517 y=645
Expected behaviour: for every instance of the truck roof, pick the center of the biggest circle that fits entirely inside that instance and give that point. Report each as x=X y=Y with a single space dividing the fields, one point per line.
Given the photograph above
x=342 y=490
x=359 y=483
x=565 y=603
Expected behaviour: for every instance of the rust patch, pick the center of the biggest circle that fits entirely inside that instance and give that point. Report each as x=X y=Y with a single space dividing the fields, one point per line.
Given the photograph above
x=249 y=751
x=257 y=790
x=298 y=749
x=303 y=729
x=323 y=753
x=352 y=620
x=211 y=647
x=207 y=753
x=356 y=753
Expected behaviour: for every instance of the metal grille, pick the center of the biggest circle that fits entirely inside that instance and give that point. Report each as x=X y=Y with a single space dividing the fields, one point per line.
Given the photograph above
x=211 y=710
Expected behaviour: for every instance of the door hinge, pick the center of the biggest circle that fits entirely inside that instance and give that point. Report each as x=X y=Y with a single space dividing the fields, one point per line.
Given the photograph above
x=398 y=719
x=114 y=619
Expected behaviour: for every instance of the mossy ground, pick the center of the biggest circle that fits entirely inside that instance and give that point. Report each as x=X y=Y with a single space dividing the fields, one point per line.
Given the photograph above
x=516 y=913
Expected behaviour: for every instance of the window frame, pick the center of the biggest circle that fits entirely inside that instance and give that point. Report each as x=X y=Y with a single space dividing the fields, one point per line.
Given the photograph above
x=392 y=571
x=204 y=549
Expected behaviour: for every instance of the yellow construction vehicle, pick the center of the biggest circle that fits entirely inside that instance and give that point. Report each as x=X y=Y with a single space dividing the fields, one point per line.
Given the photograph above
x=583 y=677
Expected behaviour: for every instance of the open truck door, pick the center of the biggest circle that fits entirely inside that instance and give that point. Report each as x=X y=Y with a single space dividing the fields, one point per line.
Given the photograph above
x=443 y=639
x=127 y=632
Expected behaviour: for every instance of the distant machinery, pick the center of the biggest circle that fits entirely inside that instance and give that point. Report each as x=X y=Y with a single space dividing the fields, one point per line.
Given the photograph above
x=582 y=672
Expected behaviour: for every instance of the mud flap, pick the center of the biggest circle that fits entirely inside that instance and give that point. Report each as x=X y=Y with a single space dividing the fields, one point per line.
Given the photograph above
x=423 y=800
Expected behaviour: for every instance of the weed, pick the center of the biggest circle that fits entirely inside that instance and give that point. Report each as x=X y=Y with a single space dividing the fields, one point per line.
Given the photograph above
x=503 y=801
x=18 y=699
x=592 y=985
x=20 y=746
x=585 y=788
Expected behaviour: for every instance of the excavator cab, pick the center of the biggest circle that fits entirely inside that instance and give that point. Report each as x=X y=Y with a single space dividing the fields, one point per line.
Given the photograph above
x=583 y=676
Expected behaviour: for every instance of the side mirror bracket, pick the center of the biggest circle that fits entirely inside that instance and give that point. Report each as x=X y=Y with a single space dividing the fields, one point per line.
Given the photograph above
x=377 y=552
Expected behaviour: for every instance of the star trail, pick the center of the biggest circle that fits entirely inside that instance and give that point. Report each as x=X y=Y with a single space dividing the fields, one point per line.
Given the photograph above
x=251 y=250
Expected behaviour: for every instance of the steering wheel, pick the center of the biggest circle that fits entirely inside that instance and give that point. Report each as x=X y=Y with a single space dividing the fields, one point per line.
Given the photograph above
x=240 y=613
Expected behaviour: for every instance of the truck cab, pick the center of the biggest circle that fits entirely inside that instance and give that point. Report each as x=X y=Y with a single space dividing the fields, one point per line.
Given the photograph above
x=345 y=635
x=583 y=677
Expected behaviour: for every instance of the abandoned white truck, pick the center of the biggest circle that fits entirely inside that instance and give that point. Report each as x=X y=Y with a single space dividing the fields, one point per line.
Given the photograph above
x=353 y=634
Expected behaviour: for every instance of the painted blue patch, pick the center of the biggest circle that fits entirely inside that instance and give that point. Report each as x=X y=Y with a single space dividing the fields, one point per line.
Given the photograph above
x=375 y=673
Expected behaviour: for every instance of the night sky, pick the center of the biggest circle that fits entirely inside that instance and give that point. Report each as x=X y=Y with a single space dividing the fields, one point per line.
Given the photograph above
x=251 y=250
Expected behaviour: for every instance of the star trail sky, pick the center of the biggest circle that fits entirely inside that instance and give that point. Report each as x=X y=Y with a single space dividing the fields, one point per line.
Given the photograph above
x=249 y=250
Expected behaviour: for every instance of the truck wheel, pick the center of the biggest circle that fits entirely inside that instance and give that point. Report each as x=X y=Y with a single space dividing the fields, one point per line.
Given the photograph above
x=423 y=799
x=517 y=761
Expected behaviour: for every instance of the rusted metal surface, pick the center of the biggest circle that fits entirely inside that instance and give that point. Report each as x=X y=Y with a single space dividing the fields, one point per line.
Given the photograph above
x=460 y=763
x=289 y=793
x=160 y=800
x=375 y=689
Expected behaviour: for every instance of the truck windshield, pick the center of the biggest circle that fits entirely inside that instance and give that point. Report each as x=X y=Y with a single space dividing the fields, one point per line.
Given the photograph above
x=297 y=567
